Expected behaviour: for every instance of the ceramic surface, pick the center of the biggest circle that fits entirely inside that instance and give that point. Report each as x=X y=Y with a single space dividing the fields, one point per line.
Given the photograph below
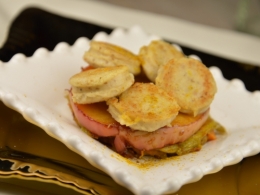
x=36 y=87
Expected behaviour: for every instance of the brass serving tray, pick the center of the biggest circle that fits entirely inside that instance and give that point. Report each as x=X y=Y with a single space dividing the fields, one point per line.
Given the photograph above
x=27 y=152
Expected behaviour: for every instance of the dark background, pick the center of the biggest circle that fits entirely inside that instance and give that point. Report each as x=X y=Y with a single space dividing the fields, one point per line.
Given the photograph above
x=34 y=28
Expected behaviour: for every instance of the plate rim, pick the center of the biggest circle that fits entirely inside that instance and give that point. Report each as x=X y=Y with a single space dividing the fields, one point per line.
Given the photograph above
x=74 y=143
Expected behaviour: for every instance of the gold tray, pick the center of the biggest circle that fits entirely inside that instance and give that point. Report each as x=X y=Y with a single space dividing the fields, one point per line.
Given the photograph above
x=28 y=153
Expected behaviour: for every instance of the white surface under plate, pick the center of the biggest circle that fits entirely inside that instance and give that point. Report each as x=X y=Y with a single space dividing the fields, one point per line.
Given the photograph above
x=35 y=87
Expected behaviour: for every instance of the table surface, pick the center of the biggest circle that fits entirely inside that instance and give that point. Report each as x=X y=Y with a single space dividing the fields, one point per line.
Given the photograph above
x=216 y=39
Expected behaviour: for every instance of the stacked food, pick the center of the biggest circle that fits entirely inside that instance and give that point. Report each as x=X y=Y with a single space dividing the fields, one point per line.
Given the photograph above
x=164 y=113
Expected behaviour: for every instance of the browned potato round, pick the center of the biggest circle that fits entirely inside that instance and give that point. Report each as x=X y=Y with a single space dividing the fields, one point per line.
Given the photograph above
x=190 y=82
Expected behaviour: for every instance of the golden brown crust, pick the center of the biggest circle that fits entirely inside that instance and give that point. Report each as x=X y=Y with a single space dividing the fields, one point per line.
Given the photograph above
x=100 y=84
x=102 y=54
x=156 y=54
x=190 y=82
x=144 y=106
x=97 y=76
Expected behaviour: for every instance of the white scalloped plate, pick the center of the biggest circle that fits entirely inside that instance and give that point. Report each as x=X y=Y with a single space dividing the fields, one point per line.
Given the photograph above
x=35 y=87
